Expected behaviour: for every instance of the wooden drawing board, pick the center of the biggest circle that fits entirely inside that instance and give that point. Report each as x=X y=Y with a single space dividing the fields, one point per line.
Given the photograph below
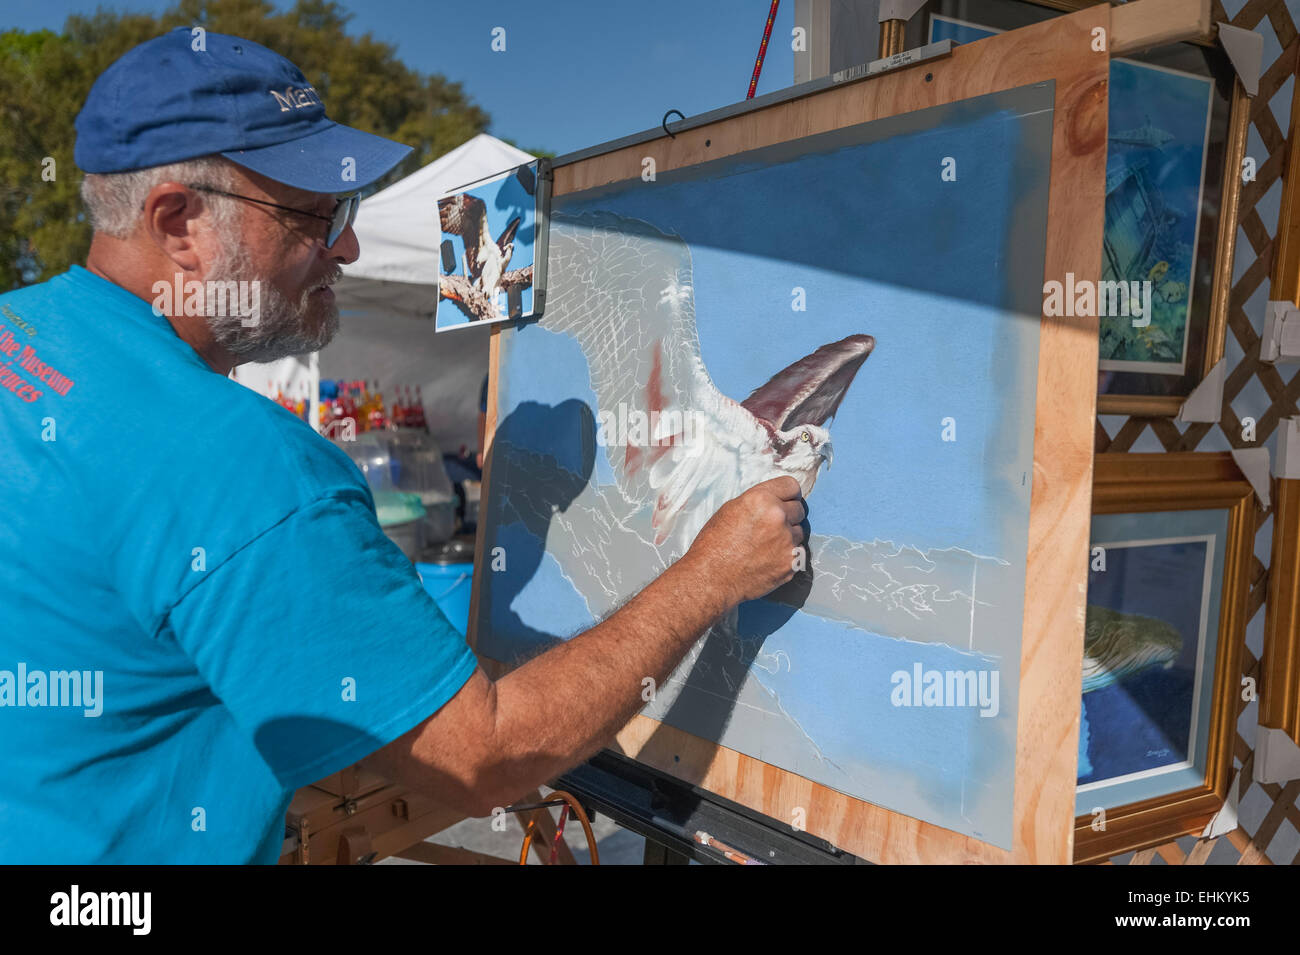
x=1056 y=574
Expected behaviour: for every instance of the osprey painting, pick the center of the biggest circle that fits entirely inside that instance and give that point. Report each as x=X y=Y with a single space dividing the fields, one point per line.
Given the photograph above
x=668 y=372
x=727 y=446
x=630 y=306
x=485 y=260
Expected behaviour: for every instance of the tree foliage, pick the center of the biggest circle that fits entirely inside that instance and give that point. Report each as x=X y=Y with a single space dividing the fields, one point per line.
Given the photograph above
x=45 y=76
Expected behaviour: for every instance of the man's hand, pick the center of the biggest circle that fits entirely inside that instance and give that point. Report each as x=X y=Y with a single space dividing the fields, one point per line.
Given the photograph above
x=749 y=545
x=493 y=742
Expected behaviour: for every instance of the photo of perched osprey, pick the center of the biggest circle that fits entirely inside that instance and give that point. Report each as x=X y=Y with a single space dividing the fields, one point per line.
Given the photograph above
x=485 y=260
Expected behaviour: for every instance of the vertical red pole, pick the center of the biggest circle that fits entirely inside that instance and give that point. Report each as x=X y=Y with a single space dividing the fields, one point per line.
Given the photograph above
x=762 y=49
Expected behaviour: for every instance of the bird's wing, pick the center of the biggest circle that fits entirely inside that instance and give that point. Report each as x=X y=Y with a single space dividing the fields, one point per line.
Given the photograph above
x=719 y=457
x=466 y=216
x=810 y=390
x=508 y=235
x=622 y=289
x=483 y=244
x=731 y=447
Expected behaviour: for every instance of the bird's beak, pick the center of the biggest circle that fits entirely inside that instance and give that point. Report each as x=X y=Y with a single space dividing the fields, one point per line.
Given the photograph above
x=828 y=453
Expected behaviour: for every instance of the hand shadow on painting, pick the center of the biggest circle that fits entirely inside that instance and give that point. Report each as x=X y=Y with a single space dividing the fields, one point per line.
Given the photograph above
x=541 y=487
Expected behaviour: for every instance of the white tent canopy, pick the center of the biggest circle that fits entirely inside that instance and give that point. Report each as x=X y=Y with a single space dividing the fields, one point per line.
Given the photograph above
x=388 y=296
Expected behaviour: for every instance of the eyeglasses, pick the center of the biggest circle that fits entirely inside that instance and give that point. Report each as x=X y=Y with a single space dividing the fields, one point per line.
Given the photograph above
x=344 y=214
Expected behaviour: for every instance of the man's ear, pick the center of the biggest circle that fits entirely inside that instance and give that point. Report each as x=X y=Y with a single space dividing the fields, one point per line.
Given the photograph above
x=169 y=210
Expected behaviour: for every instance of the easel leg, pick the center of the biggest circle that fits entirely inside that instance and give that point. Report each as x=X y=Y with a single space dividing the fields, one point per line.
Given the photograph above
x=655 y=854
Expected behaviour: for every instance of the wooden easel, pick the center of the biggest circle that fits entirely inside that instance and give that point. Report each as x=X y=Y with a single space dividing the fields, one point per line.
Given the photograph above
x=354 y=817
x=1065 y=51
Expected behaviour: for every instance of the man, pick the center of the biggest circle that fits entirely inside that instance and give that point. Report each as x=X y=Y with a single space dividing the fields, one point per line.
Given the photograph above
x=201 y=613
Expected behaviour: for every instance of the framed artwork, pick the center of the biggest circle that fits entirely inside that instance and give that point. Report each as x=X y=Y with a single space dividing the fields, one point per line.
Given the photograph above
x=493 y=248
x=1279 y=696
x=1177 y=124
x=1279 y=689
x=1169 y=563
x=898 y=698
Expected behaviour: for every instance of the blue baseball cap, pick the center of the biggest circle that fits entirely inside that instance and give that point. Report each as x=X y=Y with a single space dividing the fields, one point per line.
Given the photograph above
x=192 y=93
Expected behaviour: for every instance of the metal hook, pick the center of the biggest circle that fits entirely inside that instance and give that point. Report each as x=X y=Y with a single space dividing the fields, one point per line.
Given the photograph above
x=665 y=122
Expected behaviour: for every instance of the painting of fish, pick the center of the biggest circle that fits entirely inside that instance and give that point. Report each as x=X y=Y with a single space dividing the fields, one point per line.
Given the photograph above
x=1144 y=643
x=1117 y=645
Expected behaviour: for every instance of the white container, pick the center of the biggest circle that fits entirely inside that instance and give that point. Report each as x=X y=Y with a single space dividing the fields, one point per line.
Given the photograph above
x=370 y=453
x=402 y=518
x=419 y=468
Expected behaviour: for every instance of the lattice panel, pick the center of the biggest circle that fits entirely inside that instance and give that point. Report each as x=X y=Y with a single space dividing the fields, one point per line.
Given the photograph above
x=1269 y=815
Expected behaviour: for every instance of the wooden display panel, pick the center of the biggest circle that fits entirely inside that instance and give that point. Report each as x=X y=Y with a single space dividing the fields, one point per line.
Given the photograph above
x=1056 y=576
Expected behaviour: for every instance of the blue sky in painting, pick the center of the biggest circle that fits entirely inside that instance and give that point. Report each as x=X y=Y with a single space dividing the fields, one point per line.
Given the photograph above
x=912 y=261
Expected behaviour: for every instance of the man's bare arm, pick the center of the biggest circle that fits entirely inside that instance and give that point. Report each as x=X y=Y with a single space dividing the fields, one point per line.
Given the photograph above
x=493 y=742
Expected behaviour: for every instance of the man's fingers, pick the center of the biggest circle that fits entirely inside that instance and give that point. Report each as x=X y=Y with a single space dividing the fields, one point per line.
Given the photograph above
x=785 y=487
x=796 y=532
x=795 y=511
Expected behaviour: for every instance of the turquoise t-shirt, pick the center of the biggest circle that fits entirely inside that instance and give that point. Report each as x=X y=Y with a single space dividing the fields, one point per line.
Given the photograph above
x=198 y=610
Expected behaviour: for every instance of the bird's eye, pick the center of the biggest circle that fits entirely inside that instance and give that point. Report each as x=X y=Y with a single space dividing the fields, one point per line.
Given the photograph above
x=805 y=437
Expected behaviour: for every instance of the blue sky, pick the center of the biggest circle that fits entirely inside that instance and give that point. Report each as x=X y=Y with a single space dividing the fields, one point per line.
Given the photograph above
x=574 y=73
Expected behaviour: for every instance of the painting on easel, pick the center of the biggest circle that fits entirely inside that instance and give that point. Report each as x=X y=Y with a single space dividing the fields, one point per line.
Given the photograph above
x=779 y=312
x=845 y=283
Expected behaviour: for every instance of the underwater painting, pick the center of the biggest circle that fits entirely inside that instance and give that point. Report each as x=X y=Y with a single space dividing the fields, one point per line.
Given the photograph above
x=1159 y=126
x=1150 y=643
x=1159 y=132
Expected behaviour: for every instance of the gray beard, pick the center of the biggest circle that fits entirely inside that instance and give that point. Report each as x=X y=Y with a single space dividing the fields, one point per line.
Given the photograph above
x=283 y=327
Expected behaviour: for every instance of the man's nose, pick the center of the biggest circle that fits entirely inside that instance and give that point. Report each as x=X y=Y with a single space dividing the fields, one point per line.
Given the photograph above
x=347 y=249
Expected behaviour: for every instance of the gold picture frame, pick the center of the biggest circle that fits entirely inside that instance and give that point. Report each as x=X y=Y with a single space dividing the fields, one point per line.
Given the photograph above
x=1279 y=681
x=1210 y=280
x=1200 y=485
x=1155 y=406
x=1279 y=684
